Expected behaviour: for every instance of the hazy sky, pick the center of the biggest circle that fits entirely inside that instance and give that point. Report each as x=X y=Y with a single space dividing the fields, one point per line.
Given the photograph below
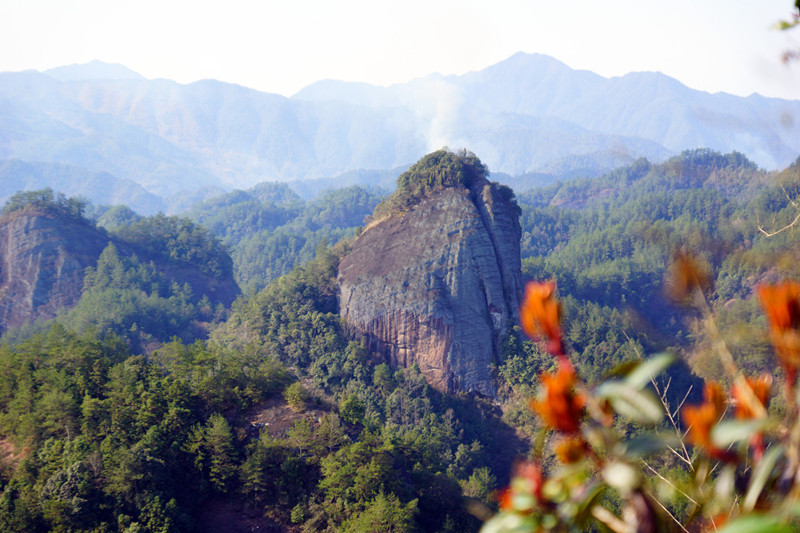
x=281 y=46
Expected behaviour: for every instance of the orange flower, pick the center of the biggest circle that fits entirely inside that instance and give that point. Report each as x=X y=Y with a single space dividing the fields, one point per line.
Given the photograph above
x=714 y=394
x=540 y=314
x=571 y=450
x=561 y=407
x=718 y=520
x=686 y=275
x=782 y=306
x=701 y=418
x=531 y=474
x=761 y=388
x=504 y=499
x=528 y=481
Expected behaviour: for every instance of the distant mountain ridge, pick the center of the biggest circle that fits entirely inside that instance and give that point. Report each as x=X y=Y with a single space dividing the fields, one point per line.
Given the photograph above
x=527 y=115
x=93 y=70
x=643 y=105
x=100 y=188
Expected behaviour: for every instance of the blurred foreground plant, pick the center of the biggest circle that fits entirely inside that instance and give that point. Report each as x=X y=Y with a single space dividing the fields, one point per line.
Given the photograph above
x=738 y=465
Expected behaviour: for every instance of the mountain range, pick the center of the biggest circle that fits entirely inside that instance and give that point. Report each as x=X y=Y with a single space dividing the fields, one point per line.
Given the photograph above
x=530 y=118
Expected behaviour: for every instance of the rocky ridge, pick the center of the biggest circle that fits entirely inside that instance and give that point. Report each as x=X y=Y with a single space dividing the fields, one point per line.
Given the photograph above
x=43 y=261
x=42 y=264
x=437 y=283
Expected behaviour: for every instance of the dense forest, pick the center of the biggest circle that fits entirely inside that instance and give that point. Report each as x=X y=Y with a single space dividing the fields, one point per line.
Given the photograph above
x=269 y=229
x=152 y=407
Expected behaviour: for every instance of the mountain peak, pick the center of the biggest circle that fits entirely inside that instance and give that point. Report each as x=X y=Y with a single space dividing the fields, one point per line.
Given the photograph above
x=93 y=70
x=438 y=285
x=534 y=57
x=437 y=170
x=533 y=62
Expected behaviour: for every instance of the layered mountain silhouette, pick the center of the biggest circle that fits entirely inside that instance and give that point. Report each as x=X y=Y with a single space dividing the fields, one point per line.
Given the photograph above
x=528 y=115
x=100 y=187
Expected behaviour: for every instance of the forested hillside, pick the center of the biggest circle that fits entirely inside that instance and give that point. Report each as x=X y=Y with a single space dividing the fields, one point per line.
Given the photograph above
x=154 y=406
x=269 y=229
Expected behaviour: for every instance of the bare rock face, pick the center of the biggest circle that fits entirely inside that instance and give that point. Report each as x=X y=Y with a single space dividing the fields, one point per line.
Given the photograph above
x=43 y=261
x=439 y=282
x=42 y=264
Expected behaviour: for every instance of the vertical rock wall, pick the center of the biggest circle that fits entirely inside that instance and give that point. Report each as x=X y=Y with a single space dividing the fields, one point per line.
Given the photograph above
x=43 y=260
x=42 y=264
x=438 y=285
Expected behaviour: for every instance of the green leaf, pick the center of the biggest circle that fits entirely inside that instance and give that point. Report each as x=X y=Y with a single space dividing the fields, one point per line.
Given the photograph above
x=639 y=406
x=756 y=523
x=621 y=370
x=505 y=522
x=761 y=476
x=590 y=497
x=641 y=375
x=648 y=443
x=731 y=431
x=784 y=25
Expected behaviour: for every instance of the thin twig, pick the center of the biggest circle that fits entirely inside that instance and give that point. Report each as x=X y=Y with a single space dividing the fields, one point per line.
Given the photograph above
x=662 y=396
x=788 y=197
x=613 y=523
x=679 y=456
x=670 y=483
x=670 y=515
x=789 y=225
x=680 y=405
x=773 y=233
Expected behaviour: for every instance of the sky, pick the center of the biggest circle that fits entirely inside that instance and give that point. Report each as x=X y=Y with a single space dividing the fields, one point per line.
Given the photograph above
x=282 y=46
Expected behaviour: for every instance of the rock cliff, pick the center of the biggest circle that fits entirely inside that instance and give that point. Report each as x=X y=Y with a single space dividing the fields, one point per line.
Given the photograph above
x=42 y=263
x=435 y=280
x=44 y=256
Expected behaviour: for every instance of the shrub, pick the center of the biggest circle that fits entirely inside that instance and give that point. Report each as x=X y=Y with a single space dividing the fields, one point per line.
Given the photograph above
x=297 y=396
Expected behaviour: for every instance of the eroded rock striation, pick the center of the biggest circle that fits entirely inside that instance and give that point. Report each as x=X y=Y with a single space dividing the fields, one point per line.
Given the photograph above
x=435 y=280
x=42 y=264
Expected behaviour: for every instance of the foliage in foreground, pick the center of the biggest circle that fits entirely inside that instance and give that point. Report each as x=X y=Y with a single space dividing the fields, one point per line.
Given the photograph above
x=738 y=473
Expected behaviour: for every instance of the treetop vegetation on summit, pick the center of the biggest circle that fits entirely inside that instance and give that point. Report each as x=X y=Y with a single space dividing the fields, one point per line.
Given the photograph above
x=46 y=199
x=435 y=171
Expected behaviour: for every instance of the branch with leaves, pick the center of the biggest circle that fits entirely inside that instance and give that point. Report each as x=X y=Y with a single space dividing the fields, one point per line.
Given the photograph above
x=740 y=461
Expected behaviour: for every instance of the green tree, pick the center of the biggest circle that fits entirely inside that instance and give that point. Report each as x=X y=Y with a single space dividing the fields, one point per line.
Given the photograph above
x=384 y=514
x=352 y=409
x=297 y=396
x=221 y=450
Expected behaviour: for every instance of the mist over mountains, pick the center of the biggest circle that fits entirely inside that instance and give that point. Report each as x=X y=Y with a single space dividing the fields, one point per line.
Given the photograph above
x=530 y=118
x=102 y=187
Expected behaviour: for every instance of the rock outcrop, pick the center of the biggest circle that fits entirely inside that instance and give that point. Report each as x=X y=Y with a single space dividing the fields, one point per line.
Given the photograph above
x=42 y=264
x=43 y=260
x=437 y=282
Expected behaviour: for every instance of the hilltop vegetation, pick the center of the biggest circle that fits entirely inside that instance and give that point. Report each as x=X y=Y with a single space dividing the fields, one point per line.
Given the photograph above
x=48 y=201
x=433 y=172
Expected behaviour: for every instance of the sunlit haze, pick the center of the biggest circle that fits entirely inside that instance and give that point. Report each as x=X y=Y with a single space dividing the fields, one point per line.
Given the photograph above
x=282 y=46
